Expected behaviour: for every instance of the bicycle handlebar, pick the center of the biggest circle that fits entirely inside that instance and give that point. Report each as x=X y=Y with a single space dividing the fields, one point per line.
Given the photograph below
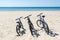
x=19 y=18
x=39 y=14
x=27 y=16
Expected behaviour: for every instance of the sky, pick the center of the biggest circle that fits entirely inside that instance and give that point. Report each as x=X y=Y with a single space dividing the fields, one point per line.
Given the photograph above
x=29 y=3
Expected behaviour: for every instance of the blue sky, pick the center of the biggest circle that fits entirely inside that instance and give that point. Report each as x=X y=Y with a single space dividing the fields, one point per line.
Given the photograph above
x=29 y=3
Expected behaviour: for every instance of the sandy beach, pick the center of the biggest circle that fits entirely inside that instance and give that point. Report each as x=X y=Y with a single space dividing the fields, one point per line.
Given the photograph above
x=8 y=25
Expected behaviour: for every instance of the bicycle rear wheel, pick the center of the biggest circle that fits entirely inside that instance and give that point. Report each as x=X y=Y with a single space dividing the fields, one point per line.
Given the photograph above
x=46 y=28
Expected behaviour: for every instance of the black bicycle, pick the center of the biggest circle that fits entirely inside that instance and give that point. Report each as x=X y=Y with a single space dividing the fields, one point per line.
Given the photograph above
x=19 y=28
x=45 y=26
x=31 y=27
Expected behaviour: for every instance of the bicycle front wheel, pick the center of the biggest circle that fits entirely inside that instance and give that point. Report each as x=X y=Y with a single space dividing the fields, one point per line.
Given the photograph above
x=18 y=30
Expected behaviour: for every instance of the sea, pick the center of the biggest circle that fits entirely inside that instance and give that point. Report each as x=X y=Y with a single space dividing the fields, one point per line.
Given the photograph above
x=28 y=8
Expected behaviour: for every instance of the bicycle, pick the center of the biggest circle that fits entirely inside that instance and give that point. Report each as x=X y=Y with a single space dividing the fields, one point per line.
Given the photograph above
x=45 y=25
x=31 y=27
x=19 y=28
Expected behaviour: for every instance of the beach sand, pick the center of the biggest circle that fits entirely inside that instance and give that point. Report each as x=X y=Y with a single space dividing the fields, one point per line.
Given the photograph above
x=8 y=25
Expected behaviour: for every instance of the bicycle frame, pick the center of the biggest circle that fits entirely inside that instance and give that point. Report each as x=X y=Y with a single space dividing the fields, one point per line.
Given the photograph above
x=31 y=27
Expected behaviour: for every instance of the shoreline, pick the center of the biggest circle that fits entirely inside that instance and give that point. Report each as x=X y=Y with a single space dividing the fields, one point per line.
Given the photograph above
x=29 y=8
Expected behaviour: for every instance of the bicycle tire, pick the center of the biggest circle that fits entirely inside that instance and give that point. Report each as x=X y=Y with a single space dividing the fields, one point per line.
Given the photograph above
x=38 y=24
x=17 y=30
x=46 y=28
